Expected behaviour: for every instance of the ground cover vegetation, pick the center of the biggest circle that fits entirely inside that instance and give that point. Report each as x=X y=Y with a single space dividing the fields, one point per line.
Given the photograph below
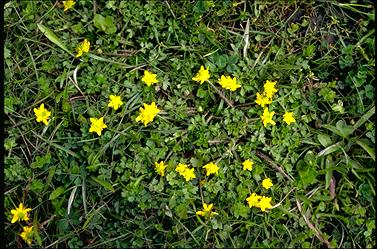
x=189 y=124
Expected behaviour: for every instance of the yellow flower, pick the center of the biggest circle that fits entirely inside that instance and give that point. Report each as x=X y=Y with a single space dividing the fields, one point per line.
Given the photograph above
x=181 y=168
x=115 y=102
x=253 y=200
x=68 y=4
x=211 y=168
x=269 y=88
x=288 y=118
x=228 y=83
x=264 y=203
x=27 y=234
x=97 y=125
x=207 y=211
x=267 y=183
x=188 y=174
x=160 y=168
x=148 y=113
x=20 y=213
x=42 y=114
x=82 y=48
x=262 y=100
x=149 y=78
x=248 y=165
x=202 y=75
x=184 y=171
x=267 y=117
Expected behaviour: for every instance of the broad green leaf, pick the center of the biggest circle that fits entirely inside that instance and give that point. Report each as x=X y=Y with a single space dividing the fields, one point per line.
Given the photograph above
x=331 y=149
x=324 y=139
x=344 y=129
x=365 y=146
x=333 y=129
x=56 y=193
x=103 y=183
x=52 y=37
x=307 y=173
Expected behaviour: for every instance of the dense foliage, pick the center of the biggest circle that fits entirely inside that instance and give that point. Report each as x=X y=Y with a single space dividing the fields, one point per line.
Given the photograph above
x=93 y=191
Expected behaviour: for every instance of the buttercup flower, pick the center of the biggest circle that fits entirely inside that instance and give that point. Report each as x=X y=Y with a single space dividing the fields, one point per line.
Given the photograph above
x=160 y=168
x=20 y=213
x=68 y=4
x=228 y=83
x=42 y=114
x=267 y=117
x=148 y=113
x=97 y=125
x=149 y=78
x=267 y=183
x=264 y=203
x=115 y=102
x=211 y=168
x=184 y=171
x=247 y=165
x=253 y=200
x=188 y=174
x=288 y=118
x=27 y=234
x=269 y=88
x=207 y=211
x=262 y=100
x=202 y=75
x=82 y=48
x=181 y=168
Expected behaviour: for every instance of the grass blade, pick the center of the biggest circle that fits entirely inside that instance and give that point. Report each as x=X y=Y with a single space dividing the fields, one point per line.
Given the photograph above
x=53 y=38
x=71 y=198
x=104 y=184
x=331 y=149
x=364 y=118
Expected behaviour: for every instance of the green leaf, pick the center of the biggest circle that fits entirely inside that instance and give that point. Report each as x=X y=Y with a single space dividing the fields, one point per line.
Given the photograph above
x=105 y=24
x=103 y=183
x=41 y=161
x=307 y=174
x=36 y=230
x=338 y=107
x=329 y=163
x=200 y=7
x=344 y=129
x=240 y=209
x=331 y=149
x=53 y=38
x=221 y=61
x=99 y=58
x=363 y=143
x=56 y=193
x=324 y=139
x=309 y=51
x=364 y=118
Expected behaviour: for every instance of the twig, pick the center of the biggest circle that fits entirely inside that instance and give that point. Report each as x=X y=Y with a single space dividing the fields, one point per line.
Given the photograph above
x=222 y=95
x=41 y=226
x=274 y=165
x=311 y=226
x=275 y=206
